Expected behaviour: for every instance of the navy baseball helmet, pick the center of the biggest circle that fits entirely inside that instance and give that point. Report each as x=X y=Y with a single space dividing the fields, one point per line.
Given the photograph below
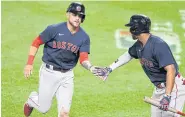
x=139 y=24
x=78 y=9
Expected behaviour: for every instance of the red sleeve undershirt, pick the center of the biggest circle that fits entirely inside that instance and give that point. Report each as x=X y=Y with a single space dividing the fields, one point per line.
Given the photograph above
x=36 y=43
x=83 y=56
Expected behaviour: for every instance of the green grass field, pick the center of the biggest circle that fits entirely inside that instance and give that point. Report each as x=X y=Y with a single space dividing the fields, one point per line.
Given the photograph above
x=121 y=95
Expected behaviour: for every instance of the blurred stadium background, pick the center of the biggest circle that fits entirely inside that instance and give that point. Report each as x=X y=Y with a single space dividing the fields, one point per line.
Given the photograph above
x=122 y=94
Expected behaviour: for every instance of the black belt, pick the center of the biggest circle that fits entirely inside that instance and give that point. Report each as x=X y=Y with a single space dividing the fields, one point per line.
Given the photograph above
x=161 y=85
x=56 y=68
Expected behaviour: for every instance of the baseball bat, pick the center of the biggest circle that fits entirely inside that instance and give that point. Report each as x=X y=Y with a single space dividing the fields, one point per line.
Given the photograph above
x=157 y=104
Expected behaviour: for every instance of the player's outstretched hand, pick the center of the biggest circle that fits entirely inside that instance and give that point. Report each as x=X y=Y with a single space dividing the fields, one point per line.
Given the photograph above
x=104 y=73
x=95 y=71
x=101 y=72
x=28 y=71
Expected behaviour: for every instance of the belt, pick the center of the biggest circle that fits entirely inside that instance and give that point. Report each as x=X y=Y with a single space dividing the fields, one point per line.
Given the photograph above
x=161 y=85
x=56 y=68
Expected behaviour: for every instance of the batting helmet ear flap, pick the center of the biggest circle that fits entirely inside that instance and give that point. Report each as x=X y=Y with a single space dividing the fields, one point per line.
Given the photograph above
x=148 y=23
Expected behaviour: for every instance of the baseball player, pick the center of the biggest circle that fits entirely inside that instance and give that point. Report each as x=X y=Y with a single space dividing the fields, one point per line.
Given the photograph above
x=64 y=44
x=157 y=62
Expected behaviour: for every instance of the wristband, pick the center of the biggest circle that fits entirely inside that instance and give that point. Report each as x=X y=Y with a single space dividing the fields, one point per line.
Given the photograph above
x=30 y=59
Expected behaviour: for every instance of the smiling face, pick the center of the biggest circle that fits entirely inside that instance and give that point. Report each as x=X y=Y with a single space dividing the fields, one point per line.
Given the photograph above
x=74 y=19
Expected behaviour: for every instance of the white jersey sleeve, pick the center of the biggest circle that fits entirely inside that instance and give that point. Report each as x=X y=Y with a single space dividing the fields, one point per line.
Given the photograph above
x=123 y=59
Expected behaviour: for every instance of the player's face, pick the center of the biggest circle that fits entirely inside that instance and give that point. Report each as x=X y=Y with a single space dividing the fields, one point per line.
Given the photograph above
x=134 y=37
x=74 y=19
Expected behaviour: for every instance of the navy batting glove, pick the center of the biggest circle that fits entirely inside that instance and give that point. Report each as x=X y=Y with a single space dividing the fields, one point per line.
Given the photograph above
x=104 y=73
x=165 y=101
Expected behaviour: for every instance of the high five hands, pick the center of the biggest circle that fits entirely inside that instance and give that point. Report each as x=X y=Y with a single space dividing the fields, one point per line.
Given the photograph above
x=101 y=72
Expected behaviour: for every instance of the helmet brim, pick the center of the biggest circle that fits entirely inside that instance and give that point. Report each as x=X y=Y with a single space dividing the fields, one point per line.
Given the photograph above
x=76 y=12
x=128 y=25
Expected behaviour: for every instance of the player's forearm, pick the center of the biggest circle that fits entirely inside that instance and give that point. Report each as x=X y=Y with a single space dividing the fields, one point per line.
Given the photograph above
x=170 y=79
x=84 y=61
x=86 y=64
x=31 y=55
x=123 y=59
x=33 y=50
